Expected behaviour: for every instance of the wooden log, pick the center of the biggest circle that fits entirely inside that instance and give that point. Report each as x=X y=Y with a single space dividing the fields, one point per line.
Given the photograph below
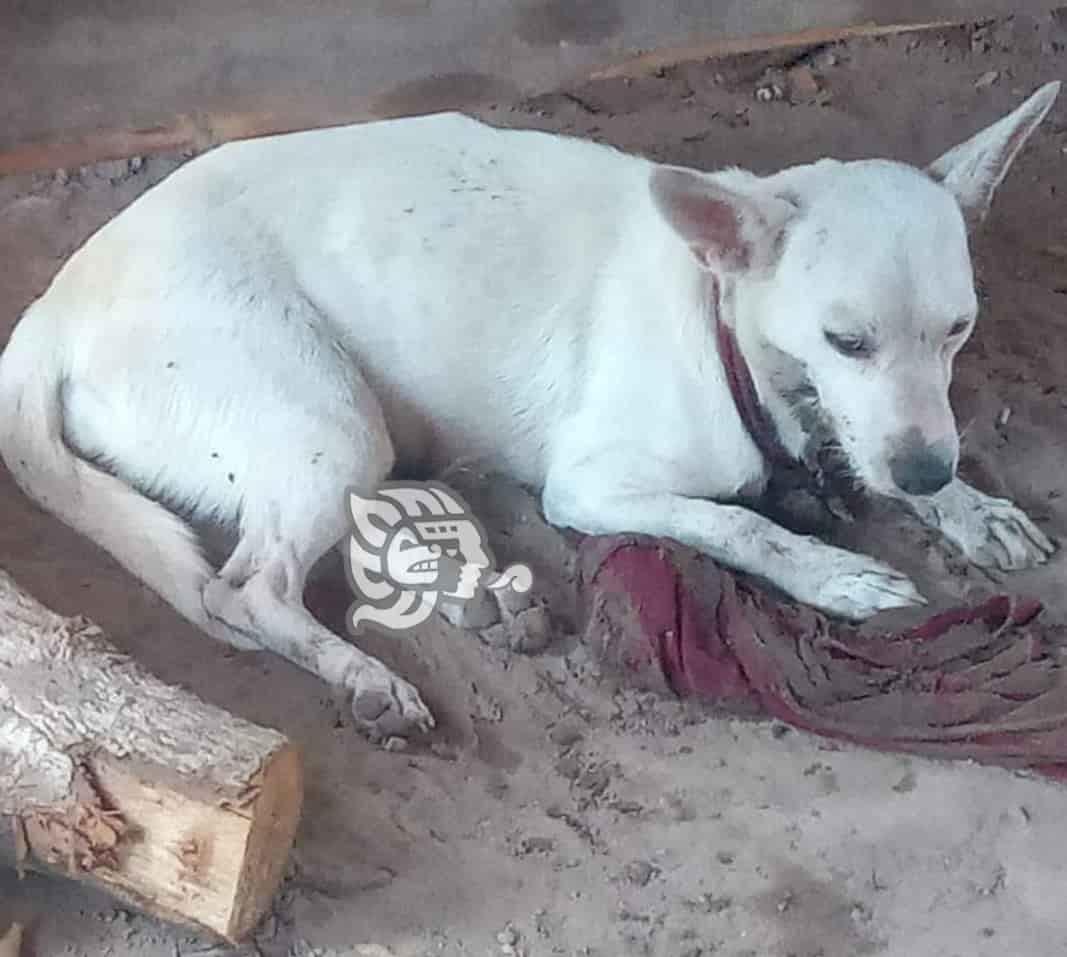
x=108 y=84
x=110 y=776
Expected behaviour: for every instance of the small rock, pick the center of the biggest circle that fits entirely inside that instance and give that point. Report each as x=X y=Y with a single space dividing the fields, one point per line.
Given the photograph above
x=987 y=79
x=725 y=858
x=1002 y=418
x=531 y=630
x=528 y=633
x=395 y=744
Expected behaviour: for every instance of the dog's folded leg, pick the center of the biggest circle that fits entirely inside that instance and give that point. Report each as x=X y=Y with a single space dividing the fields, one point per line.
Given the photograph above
x=834 y=580
x=990 y=532
x=259 y=593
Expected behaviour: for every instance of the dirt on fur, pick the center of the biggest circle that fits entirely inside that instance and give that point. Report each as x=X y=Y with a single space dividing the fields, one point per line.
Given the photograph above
x=555 y=812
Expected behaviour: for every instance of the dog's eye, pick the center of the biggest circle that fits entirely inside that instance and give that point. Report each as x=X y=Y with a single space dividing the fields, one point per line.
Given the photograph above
x=855 y=346
x=959 y=328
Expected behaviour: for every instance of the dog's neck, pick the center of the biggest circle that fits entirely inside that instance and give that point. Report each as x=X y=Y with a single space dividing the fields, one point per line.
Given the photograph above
x=755 y=411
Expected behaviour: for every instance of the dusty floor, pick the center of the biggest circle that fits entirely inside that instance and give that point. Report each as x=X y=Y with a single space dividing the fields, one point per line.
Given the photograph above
x=556 y=815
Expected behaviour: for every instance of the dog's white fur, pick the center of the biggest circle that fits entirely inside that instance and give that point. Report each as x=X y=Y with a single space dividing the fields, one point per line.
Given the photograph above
x=286 y=317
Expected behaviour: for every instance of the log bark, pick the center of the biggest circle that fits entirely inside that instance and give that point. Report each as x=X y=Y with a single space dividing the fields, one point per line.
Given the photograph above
x=112 y=777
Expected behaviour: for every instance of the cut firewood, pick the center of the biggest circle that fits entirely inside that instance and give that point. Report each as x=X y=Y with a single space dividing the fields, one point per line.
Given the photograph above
x=112 y=777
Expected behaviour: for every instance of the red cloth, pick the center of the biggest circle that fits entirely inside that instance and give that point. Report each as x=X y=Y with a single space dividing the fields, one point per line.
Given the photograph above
x=983 y=682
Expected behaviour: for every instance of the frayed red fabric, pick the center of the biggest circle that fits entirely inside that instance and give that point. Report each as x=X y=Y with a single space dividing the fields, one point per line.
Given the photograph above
x=982 y=682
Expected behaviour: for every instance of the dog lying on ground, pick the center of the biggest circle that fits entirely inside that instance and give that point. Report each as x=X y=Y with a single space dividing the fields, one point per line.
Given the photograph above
x=286 y=318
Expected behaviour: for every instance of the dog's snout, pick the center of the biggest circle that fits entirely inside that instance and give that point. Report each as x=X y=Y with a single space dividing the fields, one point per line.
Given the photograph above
x=921 y=469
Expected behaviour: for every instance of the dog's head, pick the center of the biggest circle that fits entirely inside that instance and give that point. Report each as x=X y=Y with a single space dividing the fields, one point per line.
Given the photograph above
x=851 y=289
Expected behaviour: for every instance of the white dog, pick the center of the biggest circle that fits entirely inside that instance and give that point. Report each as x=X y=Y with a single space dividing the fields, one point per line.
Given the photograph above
x=286 y=317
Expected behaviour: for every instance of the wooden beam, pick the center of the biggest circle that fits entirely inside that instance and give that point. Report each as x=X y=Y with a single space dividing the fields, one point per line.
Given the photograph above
x=661 y=59
x=131 y=77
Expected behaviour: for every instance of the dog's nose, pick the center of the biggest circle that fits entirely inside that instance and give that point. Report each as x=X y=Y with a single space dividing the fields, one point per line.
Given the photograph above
x=920 y=469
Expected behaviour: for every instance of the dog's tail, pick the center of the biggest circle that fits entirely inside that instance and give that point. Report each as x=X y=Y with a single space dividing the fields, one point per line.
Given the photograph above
x=150 y=541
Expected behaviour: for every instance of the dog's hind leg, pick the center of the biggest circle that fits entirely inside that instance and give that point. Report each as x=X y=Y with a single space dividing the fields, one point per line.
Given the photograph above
x=259 y=593
x=259 y=421
x=287 y=525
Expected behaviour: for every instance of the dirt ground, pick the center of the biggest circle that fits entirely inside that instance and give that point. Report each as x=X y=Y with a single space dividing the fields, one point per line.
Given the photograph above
x=555 y=813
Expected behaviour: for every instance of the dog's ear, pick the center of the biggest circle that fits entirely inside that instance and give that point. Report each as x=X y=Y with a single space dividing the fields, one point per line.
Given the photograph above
x=974 y=169
x=726 y=229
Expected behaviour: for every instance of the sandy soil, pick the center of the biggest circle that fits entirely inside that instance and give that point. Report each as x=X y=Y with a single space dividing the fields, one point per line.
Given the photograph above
x=556 y=813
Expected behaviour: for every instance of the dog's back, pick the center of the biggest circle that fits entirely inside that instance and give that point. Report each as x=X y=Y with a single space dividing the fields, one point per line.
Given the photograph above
x=437 y=252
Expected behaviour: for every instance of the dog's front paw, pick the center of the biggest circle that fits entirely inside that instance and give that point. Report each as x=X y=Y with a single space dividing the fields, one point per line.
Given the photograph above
x=855 y=587
x=384 y=705
x=991 y=532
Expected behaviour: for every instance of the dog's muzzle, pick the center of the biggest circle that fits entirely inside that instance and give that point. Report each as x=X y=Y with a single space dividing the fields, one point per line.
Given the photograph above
x=921 y=469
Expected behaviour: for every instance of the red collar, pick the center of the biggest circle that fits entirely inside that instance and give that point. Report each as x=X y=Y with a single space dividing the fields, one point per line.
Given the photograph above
x=754 y=415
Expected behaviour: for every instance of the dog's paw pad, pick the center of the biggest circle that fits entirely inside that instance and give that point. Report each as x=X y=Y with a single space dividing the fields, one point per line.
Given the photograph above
x=385 y=706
